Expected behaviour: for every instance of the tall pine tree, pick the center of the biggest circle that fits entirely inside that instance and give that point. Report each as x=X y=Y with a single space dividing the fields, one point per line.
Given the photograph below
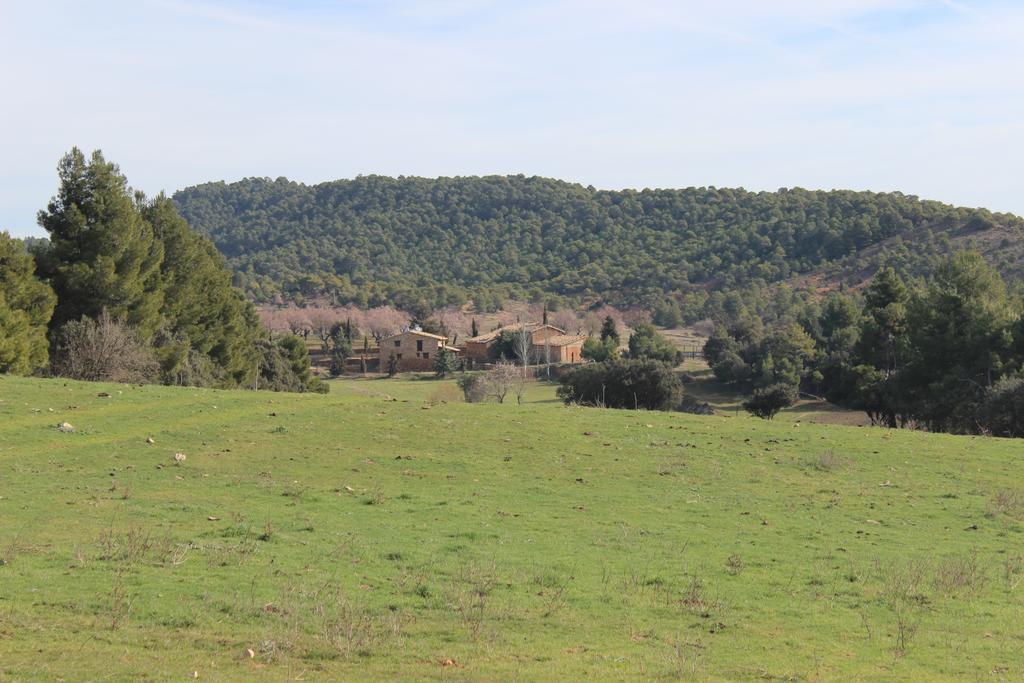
x=103 y=255
x=26 y=305
x=202 y=312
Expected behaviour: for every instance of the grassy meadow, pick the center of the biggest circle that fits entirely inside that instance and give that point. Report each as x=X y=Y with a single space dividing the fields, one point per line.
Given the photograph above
x=389 y=531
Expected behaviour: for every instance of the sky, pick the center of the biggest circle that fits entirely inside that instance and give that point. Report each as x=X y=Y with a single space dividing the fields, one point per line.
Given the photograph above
x=921 y=96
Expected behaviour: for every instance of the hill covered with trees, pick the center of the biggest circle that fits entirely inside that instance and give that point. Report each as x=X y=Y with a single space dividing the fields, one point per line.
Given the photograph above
x=416 y=242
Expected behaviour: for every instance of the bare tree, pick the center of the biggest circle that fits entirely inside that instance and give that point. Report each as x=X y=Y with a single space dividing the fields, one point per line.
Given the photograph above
x=501 y=379
x=383 y=321
x=322 y=320
x=547 y=357
x=566 y=320
x=522 y=342
x=104 y=349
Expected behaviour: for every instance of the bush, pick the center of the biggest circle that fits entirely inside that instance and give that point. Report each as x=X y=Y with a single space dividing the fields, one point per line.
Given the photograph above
x=284 y=366
x=731 y=368
x=474 y=388
x=1003 y=410
x=646 y=342
x=496 y=384
x=695 y=407
x=103 y=350
x=767 y=402
x=599 y=350
x=623 y=384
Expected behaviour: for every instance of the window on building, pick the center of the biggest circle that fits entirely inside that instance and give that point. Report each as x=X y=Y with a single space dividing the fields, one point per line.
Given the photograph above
x=398 y=356
x=398 y=342
x=419 y=344
x=426 y=355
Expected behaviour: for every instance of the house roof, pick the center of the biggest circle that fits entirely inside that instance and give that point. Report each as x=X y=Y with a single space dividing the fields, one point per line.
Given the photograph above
x=563 y=340
x=493 y=334
x=418 y=334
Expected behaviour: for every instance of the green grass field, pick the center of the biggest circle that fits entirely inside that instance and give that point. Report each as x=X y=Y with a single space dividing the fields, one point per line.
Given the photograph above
x=380 y=532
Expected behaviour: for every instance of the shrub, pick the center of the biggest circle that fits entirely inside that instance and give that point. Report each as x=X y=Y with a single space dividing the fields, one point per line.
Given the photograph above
x=104 y=349
x=731 y=368
x=623 y=384
x=1003 y=410
x=496 y=384
x=767 y=402
x=646 y=342
x=599 y=350
x=474 y=388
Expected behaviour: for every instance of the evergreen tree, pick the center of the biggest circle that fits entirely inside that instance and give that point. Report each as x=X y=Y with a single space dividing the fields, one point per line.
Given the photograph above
x=609 y=331
x=959 y=330
x=444 y=362
x=202 y=312
x=103 y=255
x=883 y=339
x=26 y=305
x=645 y=342
x=473 y=331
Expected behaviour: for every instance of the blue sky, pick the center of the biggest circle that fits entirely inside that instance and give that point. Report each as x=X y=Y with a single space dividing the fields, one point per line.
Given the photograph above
x=921 y=96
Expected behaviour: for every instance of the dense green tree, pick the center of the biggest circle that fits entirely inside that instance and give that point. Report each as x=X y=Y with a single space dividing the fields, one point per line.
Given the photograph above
x=883 y=341
x=1003 y=410
x=623 y=384
x=646 y=342
x=609 y=332
x=284 y=366
x=26 y=306
x=960 y=333
x=667 y=314
x=444 y=362
x=599 y=351
x=103 y=255
x=766 y=402
x=202 y=313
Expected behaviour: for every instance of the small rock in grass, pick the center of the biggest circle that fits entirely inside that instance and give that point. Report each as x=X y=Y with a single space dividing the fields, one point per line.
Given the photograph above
x=66 y=427
x=250 y=653
x=150 y=440
x=180 y=457
x=103 y=394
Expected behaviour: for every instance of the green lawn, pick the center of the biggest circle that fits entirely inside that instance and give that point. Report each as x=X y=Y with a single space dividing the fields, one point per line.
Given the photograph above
x=387 y=531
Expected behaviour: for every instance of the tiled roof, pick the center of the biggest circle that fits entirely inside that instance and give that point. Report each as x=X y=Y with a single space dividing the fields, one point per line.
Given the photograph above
x=562 y=340
x=492 y=335
x=419 y=334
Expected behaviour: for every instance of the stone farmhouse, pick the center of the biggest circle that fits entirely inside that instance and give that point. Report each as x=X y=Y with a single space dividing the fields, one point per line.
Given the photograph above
x=414 y=350
x=548 y=344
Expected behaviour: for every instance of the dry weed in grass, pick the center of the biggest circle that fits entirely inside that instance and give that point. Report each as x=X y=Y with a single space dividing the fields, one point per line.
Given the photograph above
x=446 y=393
x=827 y=461
x=959 y=574
x=1008 y=502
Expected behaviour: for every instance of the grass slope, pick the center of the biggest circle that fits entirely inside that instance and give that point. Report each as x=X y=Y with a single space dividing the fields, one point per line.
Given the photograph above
x=374 y=534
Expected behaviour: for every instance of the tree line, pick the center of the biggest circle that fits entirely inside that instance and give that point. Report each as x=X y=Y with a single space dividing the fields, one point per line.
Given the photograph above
x=124 y=290
x=419 y=243
x=944 y=353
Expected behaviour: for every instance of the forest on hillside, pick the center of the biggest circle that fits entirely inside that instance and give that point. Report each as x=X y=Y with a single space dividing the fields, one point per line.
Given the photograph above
x=421 y=243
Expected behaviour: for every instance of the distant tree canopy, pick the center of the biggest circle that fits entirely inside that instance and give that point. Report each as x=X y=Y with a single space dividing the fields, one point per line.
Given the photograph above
x=416 y=241
x=945 y=353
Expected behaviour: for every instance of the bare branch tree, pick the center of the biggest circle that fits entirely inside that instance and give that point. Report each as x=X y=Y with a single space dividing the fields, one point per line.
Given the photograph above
x=104 y=349
x=522 y=342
